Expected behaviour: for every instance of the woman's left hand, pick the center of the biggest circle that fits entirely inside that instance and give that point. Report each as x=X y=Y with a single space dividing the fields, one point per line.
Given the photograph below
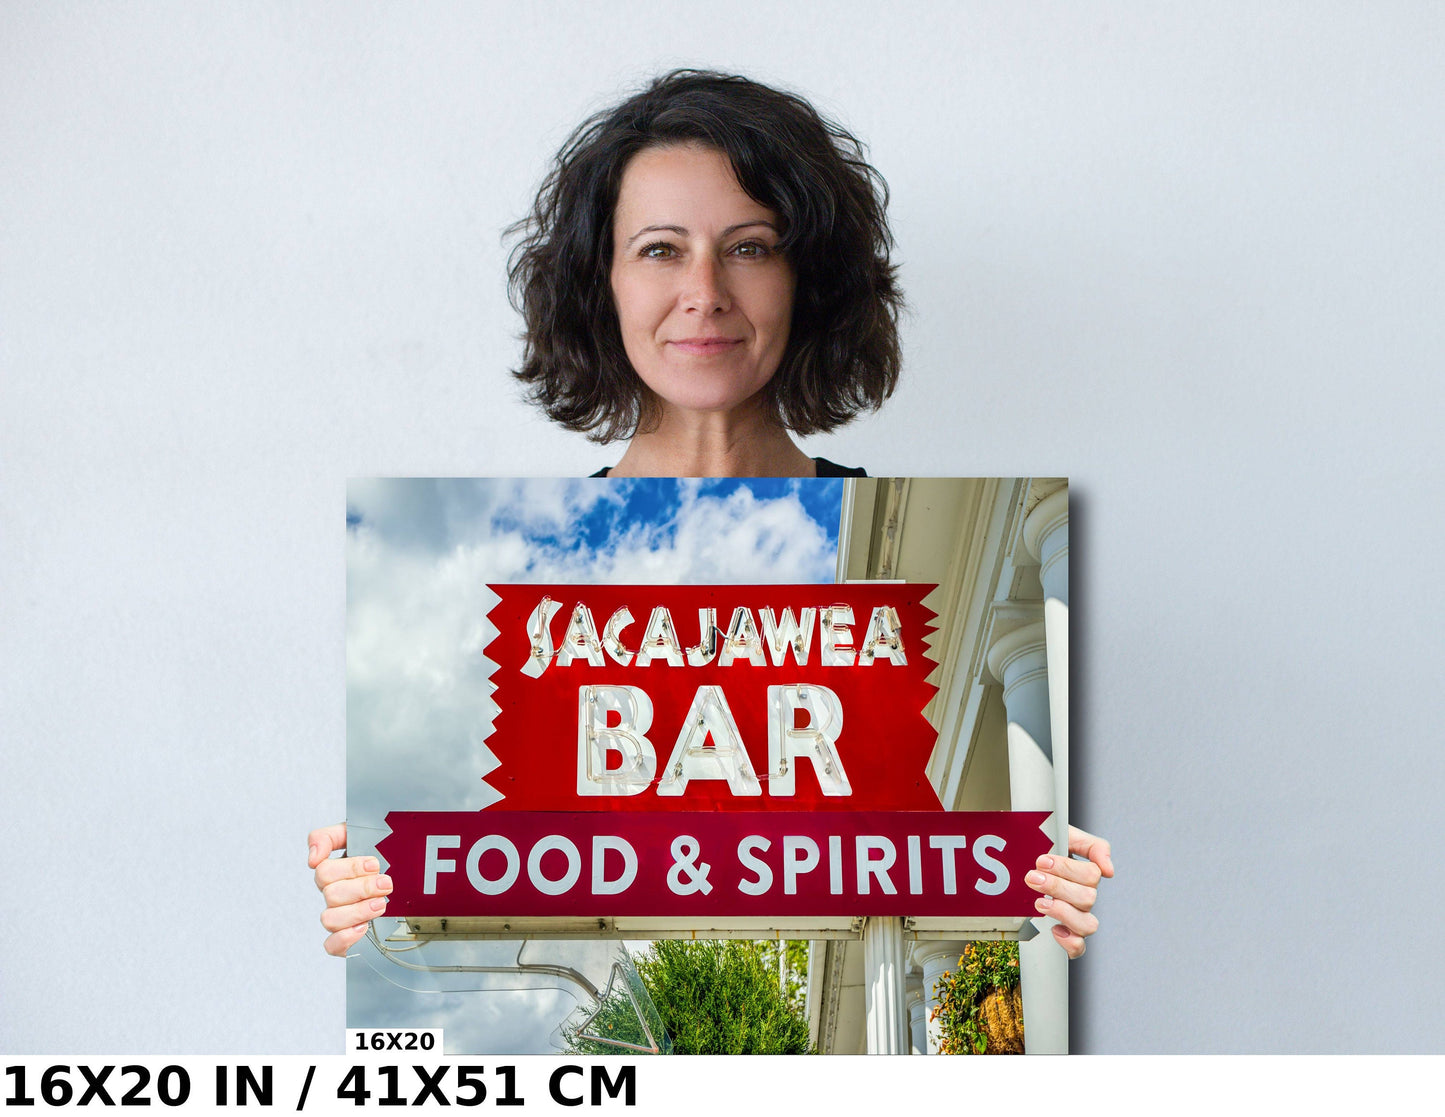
x=1070 y=888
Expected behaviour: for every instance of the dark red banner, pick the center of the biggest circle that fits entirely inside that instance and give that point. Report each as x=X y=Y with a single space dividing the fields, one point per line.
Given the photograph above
x=712 y=698
x=771 y=864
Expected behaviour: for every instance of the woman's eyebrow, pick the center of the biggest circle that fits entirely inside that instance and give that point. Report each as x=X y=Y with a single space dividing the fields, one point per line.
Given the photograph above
x=731 y=229
x=680 y=231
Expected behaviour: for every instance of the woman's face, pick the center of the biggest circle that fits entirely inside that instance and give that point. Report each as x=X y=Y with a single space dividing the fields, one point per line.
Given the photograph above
x=702 y=294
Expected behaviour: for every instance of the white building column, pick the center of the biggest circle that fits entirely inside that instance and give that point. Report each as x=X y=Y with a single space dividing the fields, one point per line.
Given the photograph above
x=1046 y=536
x=883 y=969
x=917 y=1013
x=937 y=957
x=1019 y=659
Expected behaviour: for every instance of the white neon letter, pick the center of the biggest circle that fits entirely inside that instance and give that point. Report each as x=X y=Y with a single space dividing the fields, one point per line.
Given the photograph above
x=950 y=844
x=706 y=649
x=580 y=641
x=787 y=635
x=795 y=866
x=612 y=636
x=833 y=622
x=742 y=640
x=815 y=742
x=758 y=867
x=693 y=759
x=539 y=635
x=884 y=637
x=474 y=865
x=435 y=843
x=990 y=864
x=601 y=886
x=568 y=850
x=868 y=865
x=659 y=640
x=628 y=738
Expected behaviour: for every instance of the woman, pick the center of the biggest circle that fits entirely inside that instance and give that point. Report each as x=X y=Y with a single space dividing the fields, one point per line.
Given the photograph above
x=748 y=292
x=705 y=273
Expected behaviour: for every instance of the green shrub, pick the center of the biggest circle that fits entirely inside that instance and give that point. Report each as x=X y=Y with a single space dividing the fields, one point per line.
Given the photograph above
x=714 y=997
x=721 y=997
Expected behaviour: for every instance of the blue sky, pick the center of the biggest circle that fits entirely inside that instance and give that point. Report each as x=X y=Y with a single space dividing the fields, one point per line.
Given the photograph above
x=591 y=519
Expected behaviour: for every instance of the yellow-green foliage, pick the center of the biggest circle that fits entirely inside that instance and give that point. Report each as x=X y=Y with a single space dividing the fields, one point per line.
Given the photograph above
x=983 y=967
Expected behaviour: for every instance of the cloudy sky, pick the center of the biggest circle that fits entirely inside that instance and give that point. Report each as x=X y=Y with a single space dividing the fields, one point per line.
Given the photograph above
x=420 y=553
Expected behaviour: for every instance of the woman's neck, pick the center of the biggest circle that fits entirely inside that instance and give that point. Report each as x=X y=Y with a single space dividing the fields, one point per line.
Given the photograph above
x=712 y=444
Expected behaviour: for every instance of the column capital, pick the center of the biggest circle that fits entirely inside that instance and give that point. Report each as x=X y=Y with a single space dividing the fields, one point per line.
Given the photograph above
x=1047 y=516
x=1012 y=655
x=1046 y=537
x=926 y=954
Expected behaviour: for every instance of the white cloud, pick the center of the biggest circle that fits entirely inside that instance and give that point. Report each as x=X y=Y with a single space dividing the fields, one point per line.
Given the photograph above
x=708 y=540
x=438 y=514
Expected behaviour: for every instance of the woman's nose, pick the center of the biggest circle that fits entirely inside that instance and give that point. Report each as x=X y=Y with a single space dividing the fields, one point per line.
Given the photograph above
x=705 y=287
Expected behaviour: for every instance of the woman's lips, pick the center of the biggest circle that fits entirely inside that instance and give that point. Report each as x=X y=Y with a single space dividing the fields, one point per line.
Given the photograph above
x=705 y=346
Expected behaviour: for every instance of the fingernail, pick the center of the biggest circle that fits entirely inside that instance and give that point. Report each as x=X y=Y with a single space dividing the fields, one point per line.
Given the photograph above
x=371 y=865
x=384 y=883
x=311 y=854
x=1046 y=862
x=1044 y=903
x=1036 y=879
x=378 y=904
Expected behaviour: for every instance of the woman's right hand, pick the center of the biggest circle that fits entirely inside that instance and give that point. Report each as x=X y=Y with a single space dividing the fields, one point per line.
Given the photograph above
x=354 y=888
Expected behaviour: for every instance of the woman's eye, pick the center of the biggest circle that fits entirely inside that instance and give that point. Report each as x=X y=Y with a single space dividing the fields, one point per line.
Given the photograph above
x=751 y=249
x=659 y=250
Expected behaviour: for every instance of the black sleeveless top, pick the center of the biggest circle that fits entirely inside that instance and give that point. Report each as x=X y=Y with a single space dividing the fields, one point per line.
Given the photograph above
x=825 y=469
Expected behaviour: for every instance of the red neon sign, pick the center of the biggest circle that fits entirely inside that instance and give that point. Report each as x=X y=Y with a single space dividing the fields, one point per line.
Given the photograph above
x=754 y=698
x=730 y=863
x=705 y=751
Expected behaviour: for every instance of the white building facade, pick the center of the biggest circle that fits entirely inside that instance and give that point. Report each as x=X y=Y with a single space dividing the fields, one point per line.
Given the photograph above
x=998 y=548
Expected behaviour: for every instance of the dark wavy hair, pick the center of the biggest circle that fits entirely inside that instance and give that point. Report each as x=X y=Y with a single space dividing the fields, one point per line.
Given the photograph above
x=842 y=356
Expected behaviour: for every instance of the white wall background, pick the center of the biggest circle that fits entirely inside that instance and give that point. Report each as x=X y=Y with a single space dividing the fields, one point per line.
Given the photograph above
x=1189 y=256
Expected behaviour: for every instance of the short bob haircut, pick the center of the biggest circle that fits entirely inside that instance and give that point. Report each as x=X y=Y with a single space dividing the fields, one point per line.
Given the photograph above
x=842 y=356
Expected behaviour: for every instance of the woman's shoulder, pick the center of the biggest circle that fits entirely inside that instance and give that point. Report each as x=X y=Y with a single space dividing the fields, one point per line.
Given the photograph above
x=825 y=469
x=833 y=469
